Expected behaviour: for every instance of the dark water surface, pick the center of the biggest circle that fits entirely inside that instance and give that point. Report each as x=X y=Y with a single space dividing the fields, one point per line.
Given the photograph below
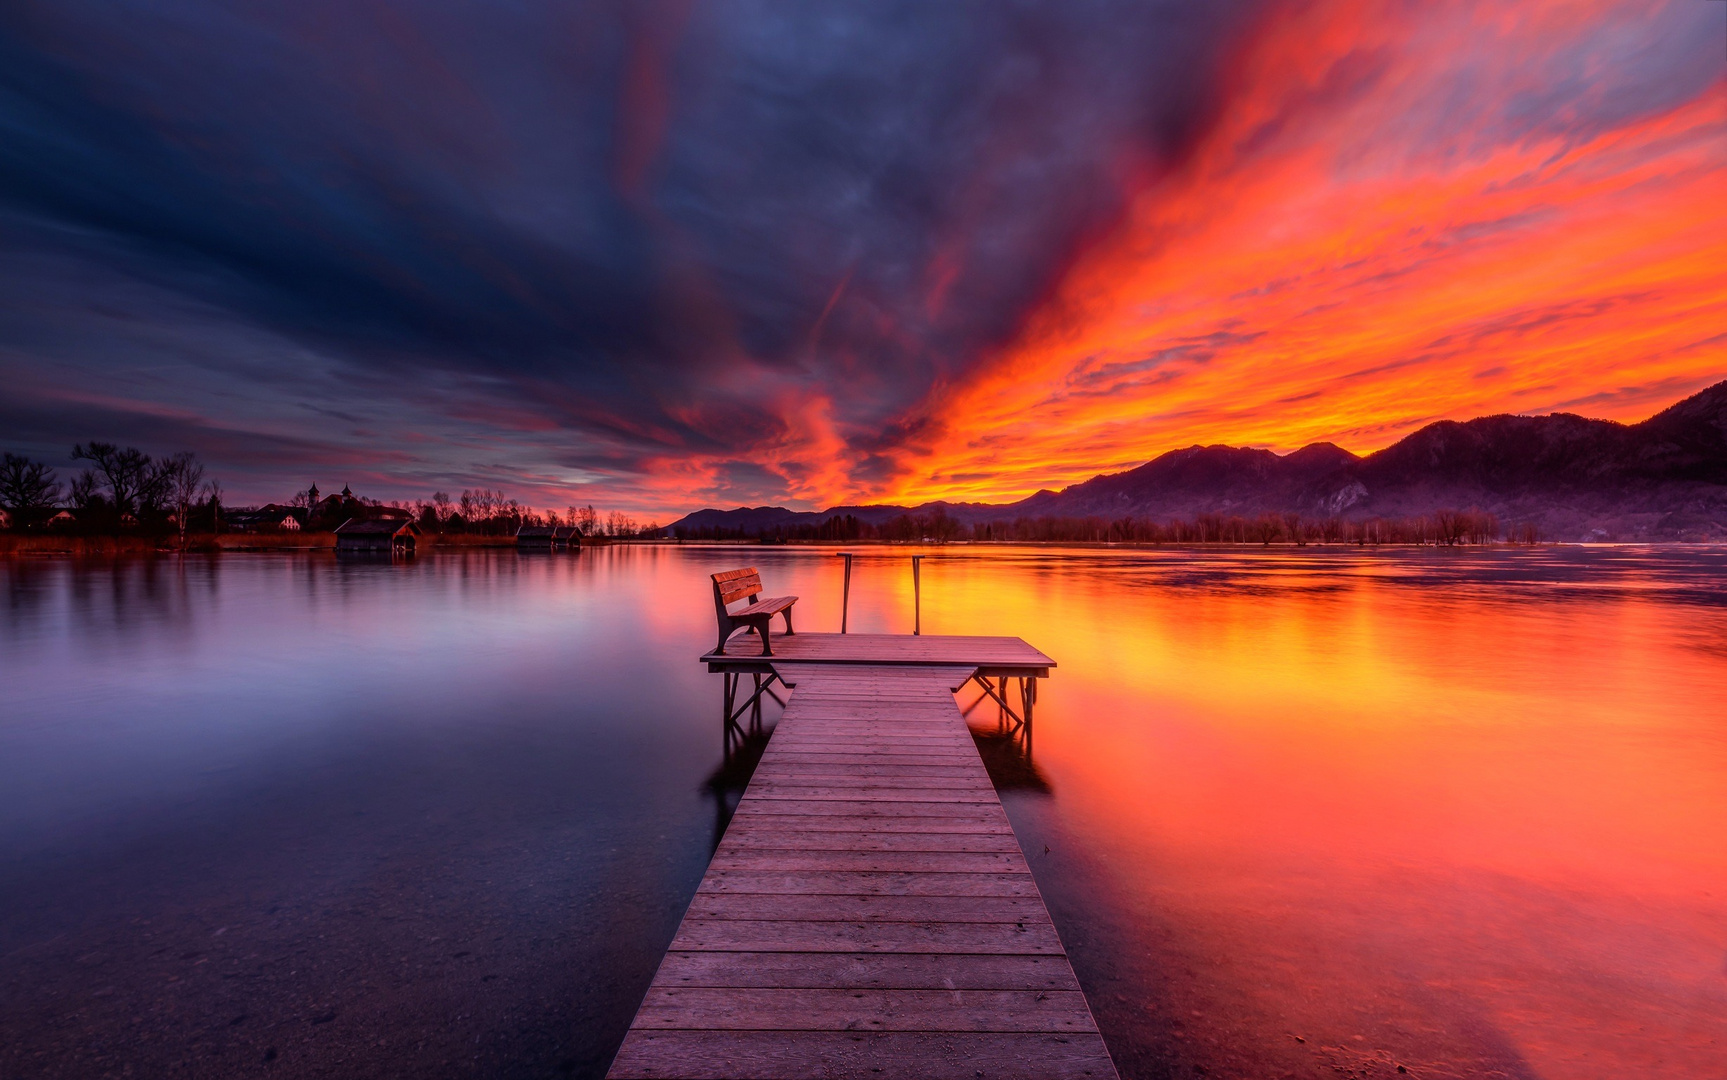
x=1304 y=813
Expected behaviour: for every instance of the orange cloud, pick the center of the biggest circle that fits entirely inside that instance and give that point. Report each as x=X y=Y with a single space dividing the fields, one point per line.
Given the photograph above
x=1402 y=214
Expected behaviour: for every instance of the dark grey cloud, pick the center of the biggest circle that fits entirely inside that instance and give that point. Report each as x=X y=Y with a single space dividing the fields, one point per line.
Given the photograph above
x=583 y=237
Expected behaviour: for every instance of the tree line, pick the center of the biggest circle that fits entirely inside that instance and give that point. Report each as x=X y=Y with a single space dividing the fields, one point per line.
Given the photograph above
x=118 y=489
x=126 y=490
x=1447 y=527
x=485 y=512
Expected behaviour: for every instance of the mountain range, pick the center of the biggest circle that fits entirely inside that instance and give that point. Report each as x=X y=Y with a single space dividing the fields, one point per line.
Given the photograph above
x=1571 y=477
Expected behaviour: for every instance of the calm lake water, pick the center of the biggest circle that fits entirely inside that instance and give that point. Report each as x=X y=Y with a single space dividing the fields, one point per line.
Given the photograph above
x=1296 y=813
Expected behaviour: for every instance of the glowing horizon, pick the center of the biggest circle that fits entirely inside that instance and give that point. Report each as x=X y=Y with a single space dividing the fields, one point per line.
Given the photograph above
x=1475 y=284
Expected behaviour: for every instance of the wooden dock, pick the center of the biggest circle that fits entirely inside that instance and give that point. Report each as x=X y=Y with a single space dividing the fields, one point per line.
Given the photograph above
x=868 y=912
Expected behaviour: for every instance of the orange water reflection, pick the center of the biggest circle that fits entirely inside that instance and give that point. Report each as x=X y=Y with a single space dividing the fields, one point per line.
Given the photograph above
x=1460 y=812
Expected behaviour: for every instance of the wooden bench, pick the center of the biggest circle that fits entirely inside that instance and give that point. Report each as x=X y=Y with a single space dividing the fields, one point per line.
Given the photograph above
x=734 y=585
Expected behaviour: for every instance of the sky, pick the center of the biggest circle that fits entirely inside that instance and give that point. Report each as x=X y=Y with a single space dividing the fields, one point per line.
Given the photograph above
x=655 y=256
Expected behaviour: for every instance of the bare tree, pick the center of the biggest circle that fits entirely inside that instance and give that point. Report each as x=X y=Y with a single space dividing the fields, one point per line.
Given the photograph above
x=483 y=504
x=620 y=524
x=127 y=475
x=588 y=520
x=442 y=506
x=1483 y=527
x=183 y=480
x=27 y=487
x=84 y=490
x=1450 y=527
x=213 y=493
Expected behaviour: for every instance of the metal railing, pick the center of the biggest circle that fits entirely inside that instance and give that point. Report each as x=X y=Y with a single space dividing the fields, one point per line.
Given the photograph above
x=916 y=592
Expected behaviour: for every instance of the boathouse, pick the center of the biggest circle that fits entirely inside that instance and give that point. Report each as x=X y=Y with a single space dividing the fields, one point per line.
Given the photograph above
x=383 y=535
x=534 y=538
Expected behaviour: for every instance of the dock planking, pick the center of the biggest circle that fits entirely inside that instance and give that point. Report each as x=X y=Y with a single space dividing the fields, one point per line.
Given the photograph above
x=877 y=650
x=868 y=912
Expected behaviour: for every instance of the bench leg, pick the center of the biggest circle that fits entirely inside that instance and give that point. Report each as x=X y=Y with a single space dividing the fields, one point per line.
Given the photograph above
x=762 y=629
x=788 y=614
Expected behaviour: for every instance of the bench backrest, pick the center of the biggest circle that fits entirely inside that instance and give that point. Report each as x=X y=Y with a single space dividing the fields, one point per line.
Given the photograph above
x=737 y=584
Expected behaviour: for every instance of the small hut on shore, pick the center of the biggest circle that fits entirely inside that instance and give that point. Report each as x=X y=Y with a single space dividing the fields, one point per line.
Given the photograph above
x=566 y=536
x=534 y=538
x=385 y=535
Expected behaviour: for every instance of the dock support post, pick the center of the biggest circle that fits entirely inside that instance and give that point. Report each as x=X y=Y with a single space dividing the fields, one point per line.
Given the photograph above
x=732 y=710
x=916 y=597
x=846 y=592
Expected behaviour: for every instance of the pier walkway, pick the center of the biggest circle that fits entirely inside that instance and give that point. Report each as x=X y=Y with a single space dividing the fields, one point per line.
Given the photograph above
x=868 y=912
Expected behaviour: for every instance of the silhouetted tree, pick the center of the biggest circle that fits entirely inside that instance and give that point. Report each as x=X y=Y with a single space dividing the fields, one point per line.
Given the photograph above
x=129 y=479
x=1449 y=527
x=27 y=488
x=182 y=479
x=84 y=491
x=213 y=492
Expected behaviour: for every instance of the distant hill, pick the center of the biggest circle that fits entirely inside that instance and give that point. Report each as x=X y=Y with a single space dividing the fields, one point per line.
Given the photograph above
x=1574 y=478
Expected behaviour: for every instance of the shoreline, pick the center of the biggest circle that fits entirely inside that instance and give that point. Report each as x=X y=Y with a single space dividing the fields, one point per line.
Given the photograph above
x=24 y=547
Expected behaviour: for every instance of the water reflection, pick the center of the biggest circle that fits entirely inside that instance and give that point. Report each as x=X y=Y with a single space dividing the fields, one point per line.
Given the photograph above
x=1007 y=757
x=1349 y=812
x=314 y=816
x=1295 y=813
x=744 y=748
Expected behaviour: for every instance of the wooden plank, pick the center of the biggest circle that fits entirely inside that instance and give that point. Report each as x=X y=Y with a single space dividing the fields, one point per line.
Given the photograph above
x=861 y=737
x=872 y=769
x=849 y=882
x=910 y=971
x=862 y=741
x=847 y=807
x=931 y=788
x=835 y=754
x=760 y=819
x=890 y=650
x=802 y=935
x=869 y=912
x=867 y=906
x=811 y=828
x=875 y=862
x=875 y=840
x=800 y=1055
x=851 y=1009
x=921 y=794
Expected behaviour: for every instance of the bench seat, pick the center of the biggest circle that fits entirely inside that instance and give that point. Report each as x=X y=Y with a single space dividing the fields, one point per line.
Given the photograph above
x=734 y=585
x=770 y=605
